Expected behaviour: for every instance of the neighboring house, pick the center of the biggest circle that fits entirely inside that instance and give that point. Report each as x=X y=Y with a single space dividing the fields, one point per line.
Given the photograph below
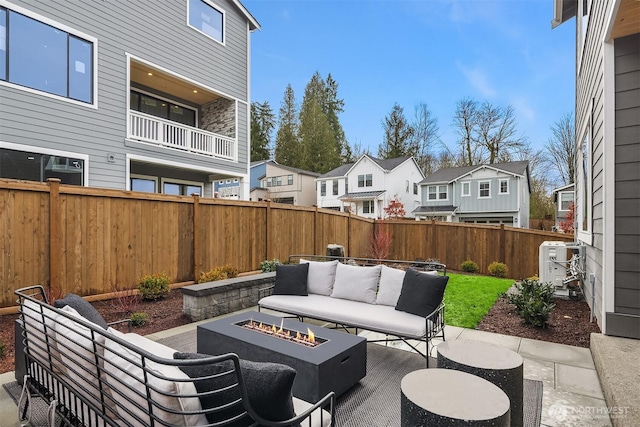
x=563 y=198
x=608 y=157
x=283 y=184
x=367 y=186
x=126 y=94
x=482 y=194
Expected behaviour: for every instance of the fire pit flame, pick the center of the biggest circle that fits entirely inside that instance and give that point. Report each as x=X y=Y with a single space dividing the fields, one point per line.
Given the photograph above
x=309 y=339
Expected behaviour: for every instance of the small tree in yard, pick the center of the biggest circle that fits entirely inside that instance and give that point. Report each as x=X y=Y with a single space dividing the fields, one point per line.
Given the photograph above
x=395 y=209
x=380 y=241
x=566 y=225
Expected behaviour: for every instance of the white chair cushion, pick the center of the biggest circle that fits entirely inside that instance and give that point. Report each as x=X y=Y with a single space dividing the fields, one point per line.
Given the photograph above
x=299 y=406
x=356 y=283
x=321 y=276
x=390 y=286
x=121 y=364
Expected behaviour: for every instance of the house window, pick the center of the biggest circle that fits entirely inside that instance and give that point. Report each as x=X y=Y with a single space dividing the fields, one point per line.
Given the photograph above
x=504 y=186
x=365 y=180
x=407 y=187
x=289 y=179
x=39 y=167
x=323 y=188
x=38 y=54
x=346 y=186
x=368 y=206
x=437 y=192
x=146 y=184
x=566 y=198
x=278 y=181
x=415 y=188
x=181 y=188
x=585 y=184
x=207 y=18
x=162 y=108
x=466 y=189
x=335 y=187
x=484 y=189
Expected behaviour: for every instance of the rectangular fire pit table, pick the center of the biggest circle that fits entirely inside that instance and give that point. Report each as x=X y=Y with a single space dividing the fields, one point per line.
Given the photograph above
x=335 y=365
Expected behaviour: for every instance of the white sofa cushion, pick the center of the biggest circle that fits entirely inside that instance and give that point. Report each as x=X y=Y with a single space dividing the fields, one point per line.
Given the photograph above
x=321 y=276
x=126 y=380
x=356 y=283
x=299 y=406
x=390 y=286
x=39 y=318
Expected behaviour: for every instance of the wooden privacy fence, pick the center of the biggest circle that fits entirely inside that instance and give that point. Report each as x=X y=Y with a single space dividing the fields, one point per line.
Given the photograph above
x=93 y=241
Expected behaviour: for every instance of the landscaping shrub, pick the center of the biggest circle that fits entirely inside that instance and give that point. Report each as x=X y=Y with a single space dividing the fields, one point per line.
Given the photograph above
x=139 y=318
x=218 y=273
x=268 y=266
x=469 y=266
x=126 y=300
x=498 y=269
x=533 y=301
x=2 y=347
x=154 y=286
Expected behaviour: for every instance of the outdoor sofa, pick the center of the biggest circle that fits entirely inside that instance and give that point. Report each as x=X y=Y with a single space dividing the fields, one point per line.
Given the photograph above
x=404 y=303
x=94 y=375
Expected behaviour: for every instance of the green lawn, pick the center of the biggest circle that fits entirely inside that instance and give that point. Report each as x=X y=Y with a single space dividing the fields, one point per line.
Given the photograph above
x=469 y=298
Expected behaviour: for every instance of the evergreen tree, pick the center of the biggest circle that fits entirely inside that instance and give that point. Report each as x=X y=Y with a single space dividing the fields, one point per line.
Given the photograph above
x=333 y=107
x=288 y=148
x=262 y=124
x=397 y=135
x=320 y=150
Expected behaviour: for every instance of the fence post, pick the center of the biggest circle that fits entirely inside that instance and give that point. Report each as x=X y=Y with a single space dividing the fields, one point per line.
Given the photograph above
x=348 y=248
x=503 y=242
x=434 y=234
x=196 y=236
x=315 y=232
x=55 y=290
x=268 y=230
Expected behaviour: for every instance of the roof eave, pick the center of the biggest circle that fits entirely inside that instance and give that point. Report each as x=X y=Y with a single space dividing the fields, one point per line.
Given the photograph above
x=563 y=10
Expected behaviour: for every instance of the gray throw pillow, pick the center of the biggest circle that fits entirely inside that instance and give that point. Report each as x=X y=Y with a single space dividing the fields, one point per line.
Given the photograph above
x=291 y=279
x=268 y=387
x=84 y=309
x=421 y=293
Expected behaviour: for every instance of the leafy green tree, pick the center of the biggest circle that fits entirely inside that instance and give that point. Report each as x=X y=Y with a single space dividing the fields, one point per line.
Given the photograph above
x=288 y=150
x=320 y=149
x=397 y=135
x=262 y=124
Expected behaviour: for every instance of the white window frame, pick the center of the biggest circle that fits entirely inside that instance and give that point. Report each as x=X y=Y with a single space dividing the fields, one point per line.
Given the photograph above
x=435 y=193
x=573 y=196
x=584 y=185
x=323 y=188
x=183 y=182
x=480 y=196
x=446 y=192
x=29 y=14
x=364 y=180
x=335 y=187
x=582 y=15
x=500 y=181
x=370 y=205
x=145 y=177
x=467 y=193
x=224 y=22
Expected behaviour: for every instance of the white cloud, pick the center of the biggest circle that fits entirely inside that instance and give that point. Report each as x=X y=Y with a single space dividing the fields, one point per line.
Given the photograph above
x=523 y=108
x=478 y=79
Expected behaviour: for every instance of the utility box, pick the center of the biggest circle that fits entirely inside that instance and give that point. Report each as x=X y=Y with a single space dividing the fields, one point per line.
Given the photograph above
x=334 y=250
x=553 y=265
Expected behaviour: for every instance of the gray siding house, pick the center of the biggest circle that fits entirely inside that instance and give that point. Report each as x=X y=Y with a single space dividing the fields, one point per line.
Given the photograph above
x=608 y=147
x=483 y=194
x=126 y=94
x=563 y=198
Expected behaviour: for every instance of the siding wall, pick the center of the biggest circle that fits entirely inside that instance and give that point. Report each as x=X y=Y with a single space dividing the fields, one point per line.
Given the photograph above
x=159 y=35
x=627 y=176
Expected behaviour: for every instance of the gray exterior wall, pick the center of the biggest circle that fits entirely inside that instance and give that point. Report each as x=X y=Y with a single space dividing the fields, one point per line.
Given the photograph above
x=159 y=35
x=627 y=176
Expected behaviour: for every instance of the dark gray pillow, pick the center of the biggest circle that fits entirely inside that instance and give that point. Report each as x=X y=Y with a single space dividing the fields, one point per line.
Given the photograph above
x=421 y=293
x=291 y=279
x=83 y=308
x=268 y=386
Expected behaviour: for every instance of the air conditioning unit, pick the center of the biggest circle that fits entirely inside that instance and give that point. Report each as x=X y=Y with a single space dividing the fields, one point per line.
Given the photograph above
x=553 y=265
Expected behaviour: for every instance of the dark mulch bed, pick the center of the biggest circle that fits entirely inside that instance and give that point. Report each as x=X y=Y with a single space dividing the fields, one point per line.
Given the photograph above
x=569 y=323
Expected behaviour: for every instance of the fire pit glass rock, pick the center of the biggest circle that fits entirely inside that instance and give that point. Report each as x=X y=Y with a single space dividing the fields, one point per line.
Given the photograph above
x=309 y=339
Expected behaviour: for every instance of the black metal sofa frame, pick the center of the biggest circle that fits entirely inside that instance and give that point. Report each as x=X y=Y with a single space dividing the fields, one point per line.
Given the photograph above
x=434 y=321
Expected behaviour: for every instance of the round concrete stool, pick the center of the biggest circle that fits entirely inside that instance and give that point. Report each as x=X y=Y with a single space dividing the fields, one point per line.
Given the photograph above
x=498 y=365
x=444 y=397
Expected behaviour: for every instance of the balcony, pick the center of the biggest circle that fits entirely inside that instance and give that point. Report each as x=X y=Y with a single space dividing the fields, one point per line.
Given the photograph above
x=166 y=133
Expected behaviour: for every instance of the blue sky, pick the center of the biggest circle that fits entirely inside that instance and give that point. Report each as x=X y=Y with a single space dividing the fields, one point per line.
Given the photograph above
x=421 y=51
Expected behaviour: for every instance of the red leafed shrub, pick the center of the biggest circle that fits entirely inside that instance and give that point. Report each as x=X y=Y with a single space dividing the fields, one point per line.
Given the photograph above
x=380 y=241
x=395 y=209
x=566 y=225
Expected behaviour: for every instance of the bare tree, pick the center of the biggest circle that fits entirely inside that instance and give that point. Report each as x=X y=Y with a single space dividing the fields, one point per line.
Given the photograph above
x=496 y=133
x=464 y=122
x=540 y=202
x=425 y=135
x=561 y=148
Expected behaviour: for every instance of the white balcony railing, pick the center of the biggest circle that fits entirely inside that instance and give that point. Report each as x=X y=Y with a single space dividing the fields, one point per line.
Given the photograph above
x=154 y=130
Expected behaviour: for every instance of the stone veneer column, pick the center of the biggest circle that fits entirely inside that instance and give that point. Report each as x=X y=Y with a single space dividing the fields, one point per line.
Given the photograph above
x=219 y=116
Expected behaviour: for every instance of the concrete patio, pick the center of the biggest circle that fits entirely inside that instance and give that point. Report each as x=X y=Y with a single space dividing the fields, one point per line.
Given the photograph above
x=572 y=391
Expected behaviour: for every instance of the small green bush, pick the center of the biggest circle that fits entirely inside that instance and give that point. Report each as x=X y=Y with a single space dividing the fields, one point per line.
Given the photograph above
x=498 y=269
x=469 y=266
x=2 y=347
x=138 y=318
x=268 y=266
x=154 y=286
x=533 y=301
x=218 y=273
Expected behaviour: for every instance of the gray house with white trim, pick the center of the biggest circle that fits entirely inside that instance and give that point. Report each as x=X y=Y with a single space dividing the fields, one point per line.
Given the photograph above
x=126 y=94
x=482 y=194
x=608 y=156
